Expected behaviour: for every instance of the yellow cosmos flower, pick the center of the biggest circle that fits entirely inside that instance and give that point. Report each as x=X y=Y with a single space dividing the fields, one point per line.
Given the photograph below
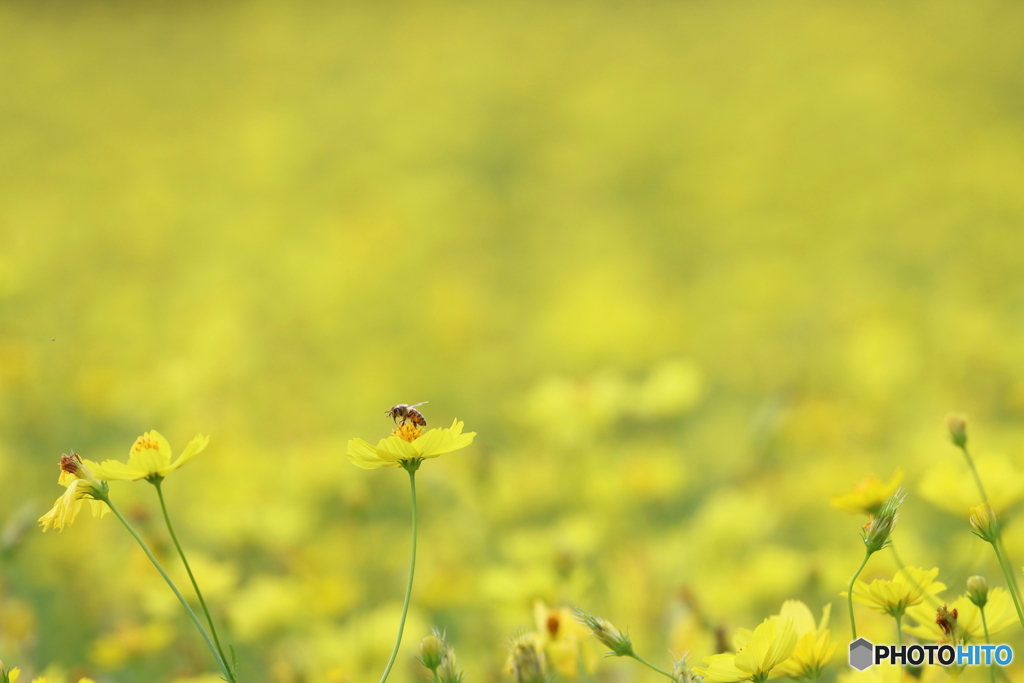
x=759 y=651
x=999 y=612
x=407 y=443
x=9 y=676
x=868 y=496
x=908 y=588
x=82 y=485
x=814 y=647
x=562 y=639
x=150 y=456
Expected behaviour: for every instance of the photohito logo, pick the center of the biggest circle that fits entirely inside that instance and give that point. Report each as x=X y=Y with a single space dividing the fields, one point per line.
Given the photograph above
x=864 y=654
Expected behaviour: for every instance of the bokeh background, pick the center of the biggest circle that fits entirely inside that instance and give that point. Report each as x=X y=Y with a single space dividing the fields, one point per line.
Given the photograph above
x=688 y=268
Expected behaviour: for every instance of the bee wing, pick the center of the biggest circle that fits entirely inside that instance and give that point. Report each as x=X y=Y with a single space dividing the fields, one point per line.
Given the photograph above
x=418 y=404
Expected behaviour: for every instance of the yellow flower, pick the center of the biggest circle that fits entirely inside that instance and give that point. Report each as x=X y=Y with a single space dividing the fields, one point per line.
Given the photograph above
x=908 y=588
x=12 y=675
x=868 y=496
x=79 y=478
x=150 y=456
x=999 y=612
x=407 y=443
x=561 y=637
x=814 y=648
x=760 y=651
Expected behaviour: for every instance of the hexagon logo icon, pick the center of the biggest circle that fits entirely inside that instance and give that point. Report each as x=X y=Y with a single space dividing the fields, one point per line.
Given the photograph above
x=861 y=654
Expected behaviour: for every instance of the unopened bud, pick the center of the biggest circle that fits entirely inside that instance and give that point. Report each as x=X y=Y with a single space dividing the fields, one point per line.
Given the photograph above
x=682 y=672
x=877 y=531
x=527 y=660
x=432 y=650
x=985 y=523
x=603 y=630
x=977 y=590
x=449 y=672
x=956 y=423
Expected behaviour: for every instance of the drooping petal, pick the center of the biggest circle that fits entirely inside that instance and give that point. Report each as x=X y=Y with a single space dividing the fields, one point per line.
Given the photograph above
x=364 y=455
x=721 y=669
x=114 y=470
x=194 y=447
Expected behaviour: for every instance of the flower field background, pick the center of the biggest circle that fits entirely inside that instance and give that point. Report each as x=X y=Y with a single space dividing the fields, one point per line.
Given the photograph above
x=689 y=270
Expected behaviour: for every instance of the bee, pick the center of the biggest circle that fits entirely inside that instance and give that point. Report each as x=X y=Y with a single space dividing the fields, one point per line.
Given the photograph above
x=407 y=413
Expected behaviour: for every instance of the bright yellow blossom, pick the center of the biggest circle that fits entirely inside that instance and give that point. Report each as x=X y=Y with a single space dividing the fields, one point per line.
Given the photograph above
x=999 y=612
x=868 y=496
x=814 y=647
x=12 y=675
x=79 y=478
x=562 y=638
x=408 y=442
x=908 y=588
x=759 y=651
x=150 y=456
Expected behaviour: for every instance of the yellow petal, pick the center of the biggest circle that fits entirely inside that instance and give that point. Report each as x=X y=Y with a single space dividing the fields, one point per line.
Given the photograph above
x=364 y=455
x=194 y=447
x=721 y=669
x=395 y=449
x=114 y=470
x=150 y=453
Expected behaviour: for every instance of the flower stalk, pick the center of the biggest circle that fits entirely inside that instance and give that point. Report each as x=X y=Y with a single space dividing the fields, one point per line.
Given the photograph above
x=157 y=482
x=410 y=466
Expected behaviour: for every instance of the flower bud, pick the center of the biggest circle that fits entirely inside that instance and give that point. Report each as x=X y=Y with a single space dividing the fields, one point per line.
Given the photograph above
x=449 y=672
x=682 y=672
x=603 y=630
x=432 y=651
x=985 y=523
x=956 y=423
x=527 y=660
x=877 y=531
x=977 y=590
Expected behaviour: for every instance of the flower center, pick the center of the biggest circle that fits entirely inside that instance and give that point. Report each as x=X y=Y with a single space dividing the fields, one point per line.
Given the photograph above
x=144 y=443
x=407 y=431
x=69 y=463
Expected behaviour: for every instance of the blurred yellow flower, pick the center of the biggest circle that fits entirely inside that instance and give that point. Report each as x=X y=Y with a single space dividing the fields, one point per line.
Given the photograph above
x=406 y=443
x=908 y=588
x=78 y=476
x=999 y=612
x=814 y=647
x=150 y=456
x=562 y=638
x=868 y=496
x=943 y=485
x=759 y=651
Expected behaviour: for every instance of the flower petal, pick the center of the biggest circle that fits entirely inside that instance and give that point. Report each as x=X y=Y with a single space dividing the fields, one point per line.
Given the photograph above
x=150 y=453
x=114 y=470
x=394 y=449
x=194 y=447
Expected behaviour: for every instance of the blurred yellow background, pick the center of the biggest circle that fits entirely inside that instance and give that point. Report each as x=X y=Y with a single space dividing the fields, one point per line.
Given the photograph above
x=688 y=268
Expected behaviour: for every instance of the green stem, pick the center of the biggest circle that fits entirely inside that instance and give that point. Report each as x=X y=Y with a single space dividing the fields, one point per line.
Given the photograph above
x=1009 y=562
x=410 y=466
x=899 y=639
x=1009 y=582
x=184 y=603
x=849 y=593
x=974 y=471
x=651 y=666
x=181 y=553
x=988 y=641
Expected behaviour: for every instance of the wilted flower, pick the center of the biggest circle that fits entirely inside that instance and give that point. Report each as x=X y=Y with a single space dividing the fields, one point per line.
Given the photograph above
x=909 y=587
x=758 y=652
x=876 y=532
x=868 y=496
x=985 y=523
x=408 y=443
x=977 y=590
x=149 y=458
x=616 y=641
x=999 y=613
x=77 y=474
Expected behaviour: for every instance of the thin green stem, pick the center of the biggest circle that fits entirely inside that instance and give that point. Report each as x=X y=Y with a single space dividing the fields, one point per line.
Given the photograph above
x=988 y=641
x=1009 y=582
x=984 y=499
x=651 y=666
x=158 y=484
x=184 y=603
x=849 y=593
x=411 y=468
x=899 y=639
